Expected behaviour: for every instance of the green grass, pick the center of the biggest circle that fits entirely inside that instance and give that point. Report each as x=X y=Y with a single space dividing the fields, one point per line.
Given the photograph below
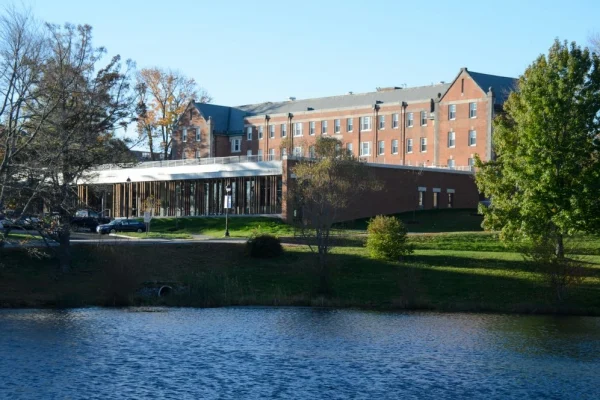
x=157 y=235
x=218 y=274
x=215 y=226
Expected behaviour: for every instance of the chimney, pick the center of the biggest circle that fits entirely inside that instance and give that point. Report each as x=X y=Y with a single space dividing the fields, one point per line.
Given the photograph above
x=291 y=98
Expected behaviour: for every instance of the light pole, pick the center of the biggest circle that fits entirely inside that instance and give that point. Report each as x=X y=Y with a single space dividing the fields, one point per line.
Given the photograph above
x=126 y=199
x=227 y=205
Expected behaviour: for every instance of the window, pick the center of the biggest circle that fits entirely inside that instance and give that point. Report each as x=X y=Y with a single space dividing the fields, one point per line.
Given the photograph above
x=451 y=139
x=198 y=137
x=472 y=138
x=337 y=126
x=452 y=111
x=365 y=149
x=298 y=151
x=297 y=129
x=395 y=146
x=472 y=110
x=365 y=123
x=421 y=199
x=450 y=200
x=423 y=118
x=249 y=132
x=283 y=130
x=197 y=153
x=311 y=128
x=283 y=152
x=271 y=131
x=349 y=148
x=381 y=147
x=436 y=198
x=382 y=122
x=409 y=145
x=260 y=154
x=236 y=145
x=409 y=119
x=260 y=132
x=394 y=121
x=462 y=86
x=471 y=162
x=184 y=135
x=349 y=124
x=183 y=155
x=423 y=145
x=311 y=152
x=271 y=154
x=324 y=127
x=451 y=164
x=249 y=153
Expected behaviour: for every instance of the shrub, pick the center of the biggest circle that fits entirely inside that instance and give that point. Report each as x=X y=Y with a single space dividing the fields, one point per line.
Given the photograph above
x=387 y=238
x=263 y=246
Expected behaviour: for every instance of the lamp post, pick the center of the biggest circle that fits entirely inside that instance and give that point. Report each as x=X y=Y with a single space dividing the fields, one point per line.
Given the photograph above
x=126 y=199
x=227 y=205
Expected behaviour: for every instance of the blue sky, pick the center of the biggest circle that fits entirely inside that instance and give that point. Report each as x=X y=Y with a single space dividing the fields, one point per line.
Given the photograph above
x=252 y=51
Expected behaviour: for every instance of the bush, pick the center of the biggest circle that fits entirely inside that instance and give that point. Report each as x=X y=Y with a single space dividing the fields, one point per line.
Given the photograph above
x=263 y=246
x=387 y=238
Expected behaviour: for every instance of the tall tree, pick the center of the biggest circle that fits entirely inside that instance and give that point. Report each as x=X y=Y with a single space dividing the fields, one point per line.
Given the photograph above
x=326 y=186
x=545 y=181
x=163 y=96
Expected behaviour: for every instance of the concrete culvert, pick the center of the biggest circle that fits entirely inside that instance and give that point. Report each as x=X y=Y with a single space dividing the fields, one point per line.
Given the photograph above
x=164 y=291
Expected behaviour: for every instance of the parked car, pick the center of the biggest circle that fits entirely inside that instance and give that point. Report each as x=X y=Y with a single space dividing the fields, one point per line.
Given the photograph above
x=87 y=219
x=122 y=225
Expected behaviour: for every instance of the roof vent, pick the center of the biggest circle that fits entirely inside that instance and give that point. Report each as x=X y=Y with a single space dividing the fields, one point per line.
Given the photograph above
x=291 y=98
x=442 y=82
x=350 y=92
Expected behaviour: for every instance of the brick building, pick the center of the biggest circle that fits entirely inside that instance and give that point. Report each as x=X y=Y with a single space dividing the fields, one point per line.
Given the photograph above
x=444 y=124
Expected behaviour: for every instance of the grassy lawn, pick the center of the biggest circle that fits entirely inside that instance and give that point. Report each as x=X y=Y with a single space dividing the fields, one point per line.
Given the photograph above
x=215 y=274
x=157 y=235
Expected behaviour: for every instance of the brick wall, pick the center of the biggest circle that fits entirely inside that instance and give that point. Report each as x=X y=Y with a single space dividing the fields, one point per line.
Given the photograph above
x=191 y=120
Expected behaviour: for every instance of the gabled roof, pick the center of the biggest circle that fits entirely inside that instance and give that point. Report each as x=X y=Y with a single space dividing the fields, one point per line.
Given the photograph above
x=395 y=95
x=501 y=85
x=225 y=119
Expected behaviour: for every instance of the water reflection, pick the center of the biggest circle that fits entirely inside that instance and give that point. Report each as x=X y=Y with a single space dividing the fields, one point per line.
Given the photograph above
x=261 y=353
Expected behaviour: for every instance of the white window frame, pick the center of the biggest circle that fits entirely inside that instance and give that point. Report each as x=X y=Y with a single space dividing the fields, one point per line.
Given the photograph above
x=183 y=155
x=349 y=125
x=324 y=127
x=312 y=127
x=249 y=133
x=451 y=112
x=271 y=131
x=260 y=154
x=283 y=130
x=472 y=138
x=409 y=146
x=395 y=121
x=271 y=154
x=197 y=153
x=235 y=142
x=381 y=122
x=362 y=149
x=249 y=153
x=198 y=134
x=473 y=110
x=297 y=132
x=297 y=152
x=184 y=135
x=423 y=145
x=337 y=125
x=381 y=148
x=349 y=148
x=283 y=152
x=451 y=163
x=311 y=151
x=395 y=146
x=423 y=116
x=260 y=132
x=410 y=120
x=365 y=123
x=451 y=139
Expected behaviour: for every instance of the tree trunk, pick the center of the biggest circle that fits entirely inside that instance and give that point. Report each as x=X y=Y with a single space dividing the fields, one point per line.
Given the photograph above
x=64 y=248
x=560 y=247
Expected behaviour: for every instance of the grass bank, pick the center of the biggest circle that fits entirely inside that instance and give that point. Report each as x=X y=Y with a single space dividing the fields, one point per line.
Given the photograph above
x=209 y=274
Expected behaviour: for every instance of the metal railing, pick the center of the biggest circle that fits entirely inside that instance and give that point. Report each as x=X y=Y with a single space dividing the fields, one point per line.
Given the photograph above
x=188 y=162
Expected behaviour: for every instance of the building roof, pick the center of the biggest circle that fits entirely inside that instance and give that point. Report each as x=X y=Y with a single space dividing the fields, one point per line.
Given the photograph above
x=393 y=95
x=501 y=85
x=225 y=119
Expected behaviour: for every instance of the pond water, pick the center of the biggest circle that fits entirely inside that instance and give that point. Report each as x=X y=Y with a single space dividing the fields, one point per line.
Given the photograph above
x=300 y=353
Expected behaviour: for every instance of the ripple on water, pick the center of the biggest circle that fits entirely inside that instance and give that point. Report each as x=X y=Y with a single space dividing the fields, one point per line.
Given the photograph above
x=258 y=353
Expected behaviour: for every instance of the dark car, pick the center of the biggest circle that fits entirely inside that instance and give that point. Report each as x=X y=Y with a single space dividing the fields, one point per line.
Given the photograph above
x=122 y=225
x=88 y=220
